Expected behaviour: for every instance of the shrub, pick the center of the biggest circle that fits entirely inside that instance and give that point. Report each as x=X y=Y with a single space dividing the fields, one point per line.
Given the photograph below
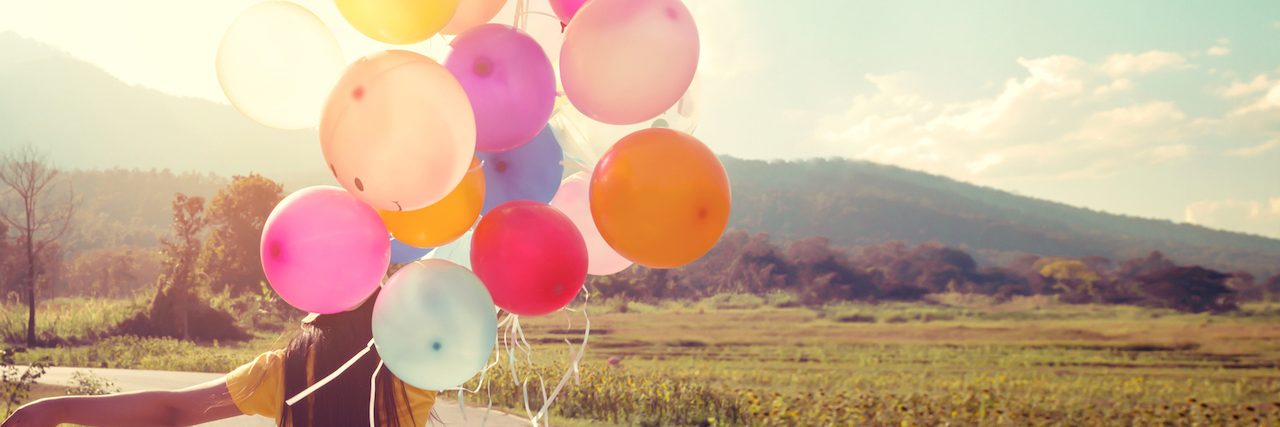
x=88 y=384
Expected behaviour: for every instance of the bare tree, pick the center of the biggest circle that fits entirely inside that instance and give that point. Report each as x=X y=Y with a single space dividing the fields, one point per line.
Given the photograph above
x=32 y=212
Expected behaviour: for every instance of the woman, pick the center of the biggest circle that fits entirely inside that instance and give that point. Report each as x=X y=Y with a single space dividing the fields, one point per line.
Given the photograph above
x=260 y=387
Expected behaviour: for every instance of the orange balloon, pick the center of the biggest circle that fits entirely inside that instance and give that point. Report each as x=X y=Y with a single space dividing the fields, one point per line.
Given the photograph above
x=660 y=198
x=444 y=221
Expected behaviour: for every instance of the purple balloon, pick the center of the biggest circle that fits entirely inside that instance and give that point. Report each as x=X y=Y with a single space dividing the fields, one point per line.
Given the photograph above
x=530 y=172
x=323 y=250
x=510 y=83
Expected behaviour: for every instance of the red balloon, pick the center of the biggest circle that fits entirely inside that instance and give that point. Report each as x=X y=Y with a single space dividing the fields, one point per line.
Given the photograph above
x=530 y=256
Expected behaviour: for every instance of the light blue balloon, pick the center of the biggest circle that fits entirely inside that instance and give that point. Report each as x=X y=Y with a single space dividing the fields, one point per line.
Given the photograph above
x=529 y=172
x=458 y=251
x=434 y=324
x=403 y=253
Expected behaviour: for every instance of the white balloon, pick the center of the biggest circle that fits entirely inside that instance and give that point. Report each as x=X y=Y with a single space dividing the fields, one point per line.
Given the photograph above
x=277 y=63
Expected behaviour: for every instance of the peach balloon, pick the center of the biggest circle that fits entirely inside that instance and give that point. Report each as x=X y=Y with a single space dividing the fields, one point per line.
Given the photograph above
x=572 y=200
x=627 y=61
x=472 y=13
x=660 y=197
x=444 y=221
x=398 y=131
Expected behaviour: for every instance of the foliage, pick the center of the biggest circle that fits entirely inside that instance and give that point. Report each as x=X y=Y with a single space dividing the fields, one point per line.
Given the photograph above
x=235 y=218
x=165 y=354
x=16 y=381
x=85 y=383
x=813 y=272
x=70 y=321
x=177 y=310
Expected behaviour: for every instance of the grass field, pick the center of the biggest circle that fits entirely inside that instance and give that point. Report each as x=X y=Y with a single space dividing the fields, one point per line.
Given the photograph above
x=737 y=359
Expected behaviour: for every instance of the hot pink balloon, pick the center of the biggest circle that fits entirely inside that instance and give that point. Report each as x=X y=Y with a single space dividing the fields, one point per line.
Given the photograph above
x=509 y=81
x=627 y=61
x=572 y=200
x=530 y=257
x=565 y=9
x=323 y=250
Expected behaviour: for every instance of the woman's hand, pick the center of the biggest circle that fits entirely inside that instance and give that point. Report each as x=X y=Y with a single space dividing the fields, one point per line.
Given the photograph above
x=35 y=414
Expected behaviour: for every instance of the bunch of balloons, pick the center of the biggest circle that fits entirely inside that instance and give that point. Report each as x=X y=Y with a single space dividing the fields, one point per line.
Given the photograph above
x=468 y=157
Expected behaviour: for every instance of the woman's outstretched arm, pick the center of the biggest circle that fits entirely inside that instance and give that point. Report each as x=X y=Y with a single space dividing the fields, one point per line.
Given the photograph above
x=192 y=405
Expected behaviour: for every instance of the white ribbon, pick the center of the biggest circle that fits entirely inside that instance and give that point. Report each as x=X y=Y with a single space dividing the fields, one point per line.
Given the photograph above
x=325 y=380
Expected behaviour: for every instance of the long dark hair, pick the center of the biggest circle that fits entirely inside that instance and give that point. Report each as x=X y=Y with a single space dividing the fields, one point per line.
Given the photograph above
x=330 y=340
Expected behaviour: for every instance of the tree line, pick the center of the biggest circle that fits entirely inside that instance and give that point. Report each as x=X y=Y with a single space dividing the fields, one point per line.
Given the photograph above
x=817 y=272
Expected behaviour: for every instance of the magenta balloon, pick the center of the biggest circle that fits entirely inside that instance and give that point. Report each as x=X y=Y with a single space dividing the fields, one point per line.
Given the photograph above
x=509 y=81
x=323 y=250
x=627 y=61
x=565 y=9
x=530 y=257
x=573 y=200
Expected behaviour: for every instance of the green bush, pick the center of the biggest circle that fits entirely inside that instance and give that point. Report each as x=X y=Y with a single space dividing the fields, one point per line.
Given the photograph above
x=88 y=384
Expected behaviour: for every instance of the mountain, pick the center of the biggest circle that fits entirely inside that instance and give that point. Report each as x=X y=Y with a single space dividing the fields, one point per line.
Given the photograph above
x=857 y=203
x=86 y=119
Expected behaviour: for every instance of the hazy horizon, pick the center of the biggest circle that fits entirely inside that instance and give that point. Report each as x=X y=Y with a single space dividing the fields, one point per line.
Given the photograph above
x=1144 y=109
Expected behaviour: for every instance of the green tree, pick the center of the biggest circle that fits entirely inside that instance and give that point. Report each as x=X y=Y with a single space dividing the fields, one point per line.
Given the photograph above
x=175 y=290
x=235 y=218
x=1073 y=279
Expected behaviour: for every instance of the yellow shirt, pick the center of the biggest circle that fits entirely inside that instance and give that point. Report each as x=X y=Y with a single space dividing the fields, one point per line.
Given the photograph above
x=257 y=388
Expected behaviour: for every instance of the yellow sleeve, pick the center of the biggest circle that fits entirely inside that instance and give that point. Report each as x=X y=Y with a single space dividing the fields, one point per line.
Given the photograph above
x=420 y=403
x=257 y=387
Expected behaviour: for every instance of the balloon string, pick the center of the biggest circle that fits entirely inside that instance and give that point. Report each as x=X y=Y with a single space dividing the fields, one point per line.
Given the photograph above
x=373 y=390
x=534 y=12
x=572 y=372
x=330 y=377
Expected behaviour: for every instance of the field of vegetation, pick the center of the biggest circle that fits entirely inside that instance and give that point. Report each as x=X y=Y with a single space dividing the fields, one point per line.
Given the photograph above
x=737 y=359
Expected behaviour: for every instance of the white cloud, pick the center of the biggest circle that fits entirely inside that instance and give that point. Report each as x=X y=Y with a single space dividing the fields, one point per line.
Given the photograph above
x=1254 y=150
x=1219 y=51
x=1127 y=64
x=1054 y=121
x=1260 y=83
x=1252 y=216
x=1268 y=102
x=1116 y=86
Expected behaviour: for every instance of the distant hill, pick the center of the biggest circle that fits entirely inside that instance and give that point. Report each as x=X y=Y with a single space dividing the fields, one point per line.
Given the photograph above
x=857 y=203
x=86 y=119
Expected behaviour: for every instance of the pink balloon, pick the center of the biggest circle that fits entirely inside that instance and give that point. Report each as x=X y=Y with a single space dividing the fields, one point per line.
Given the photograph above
x=509 y=81
x=627 y=61
x=323 y=250
x=530 y=257
x=565 y=9
x=398 y=131
x=572 y=200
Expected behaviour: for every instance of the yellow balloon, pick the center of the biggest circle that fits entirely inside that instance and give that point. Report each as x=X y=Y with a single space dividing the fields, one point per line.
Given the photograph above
x=398 y=21
x=444 y=221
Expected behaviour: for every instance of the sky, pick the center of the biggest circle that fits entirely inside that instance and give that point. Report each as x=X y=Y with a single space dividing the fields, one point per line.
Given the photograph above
x=1167 y=110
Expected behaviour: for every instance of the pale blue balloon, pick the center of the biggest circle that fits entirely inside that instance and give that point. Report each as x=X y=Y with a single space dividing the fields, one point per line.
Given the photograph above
x=458 y=251
x=434 y=324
